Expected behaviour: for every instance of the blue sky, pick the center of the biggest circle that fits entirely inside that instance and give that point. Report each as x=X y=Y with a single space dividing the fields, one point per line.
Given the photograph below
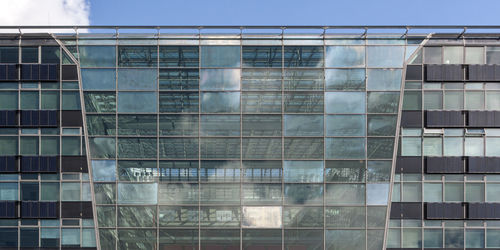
x=293 y=12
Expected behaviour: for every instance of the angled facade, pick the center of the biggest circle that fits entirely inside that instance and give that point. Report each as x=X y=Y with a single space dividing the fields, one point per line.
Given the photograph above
x=263 y=138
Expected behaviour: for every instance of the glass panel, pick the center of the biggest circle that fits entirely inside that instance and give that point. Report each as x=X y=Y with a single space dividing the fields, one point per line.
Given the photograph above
x=453 y=238
x=474 y=100
x=70 y=100
x=99 y=79
x=101 y=124
x=304 y=125
x=29 y=54
x=178 y=171
x=345 y=217
x=100 y=102
x=137 y=216
x=303 y=171
x=303 y=102
x=102 y=147
x=345 y=102
x=175 y=194
x=262 y=171
x=345 y=125
x=29 y=100
x=301 y=79
x=383 y=102
x=220 y=56
x=179 y=217
x=137 y=56
x=181 y=125
x=180 y=102
x=261 y=125
x=303 y=56
x=137 y=79
x=135 y=102
x=220 y=171
x=70 y=237
x=433 y=146
x=345 y=194
x=137 y=124
x=141 y=171
x=8 y=145
x=220 y=125
x=345 y=79
x=219 y=239
x=50 y=54
x=70 y=191
x=379 y=171
x=345 y=56
x=136 y=239
x=261 y=238
x=179 y=56
x=8 y=100
x=261 y=102
x=345 y=239
x=303 y=216
x=220 y=148
x=453 y=54
x=493 y=100
x=432 y=55
x=345 y=148
x=453 y=192
x=9 y=54
x=303 y=148
x=29 y=145
x=49 y=100
x=261 y=79
x=220 y=102
x=474 y=146
x=220 y=194
x=384 y=79
x=474 y=192
x=49 y=191
x=137 y=147
x=179 y=79
x=97 y=56
x=220 y=79
x=262 y=56
x=8 y=192
x=220 y=216
x=385 y=56
x=382 y=125
x=178 y=148
x=104 y=170
x=345 y=171
x=474 y=55
x=492 y=146
x=303 y=194
x=261 y=148
x=261 y=194
x=303 y=239
x=137 y=193
x=453 y=100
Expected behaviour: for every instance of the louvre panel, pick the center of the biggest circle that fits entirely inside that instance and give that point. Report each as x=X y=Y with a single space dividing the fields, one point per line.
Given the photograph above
x=406 y=210
x=74 y=164
x=483 y=165
x=448 y=72
x=72 y=118
x=434 y=165
x=30 y=164
x=483 y=119
x=69 y=72
x=8 y=164
x=9 y=72
x=8 y=209
x=409 y=164
x=443 y=119
x=486 y=211
x=444 y=211
x=71 y=209
x=413 y=72
x=411 y=119
x=48 y=118
x=433 y=73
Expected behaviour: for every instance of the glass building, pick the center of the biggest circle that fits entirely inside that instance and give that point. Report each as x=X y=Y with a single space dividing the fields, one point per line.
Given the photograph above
x=252 y=138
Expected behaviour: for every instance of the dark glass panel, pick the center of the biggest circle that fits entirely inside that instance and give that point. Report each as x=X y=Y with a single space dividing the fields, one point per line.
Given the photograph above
x=137 y=124
x=262 y=56
x=303 y=56
x=137 y=56
x=179 y=125
x=184 y=102
x=179 y=148
x=303 y=239
x=261 y=125
x=101 y=124
x=100 y=102
x=179 y=56
x=179 y=79
x=178 y=171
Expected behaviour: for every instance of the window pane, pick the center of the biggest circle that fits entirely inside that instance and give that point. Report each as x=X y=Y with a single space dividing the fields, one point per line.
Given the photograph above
x=179 y=79
x=345 y=239
x=102 y=147
x=29 y=145
x=345 y=125
x=474 y=100
x=178 y=170
x=474 y=147
x=345 y=102
x=49 y=145
x=345 y=148
x=303 y=56
x=492 y=194
x=179 y=56
x=220 y=56
x=262 y=56
x=384 y=79
x=382 y=125
x=50 y=100
x=9 y=54
x=380 y=148
x=179 y=217
x=304 y=125
x=256 y=238
x=345 y=79
x=303 y=239
x=385 y=56
x=474 y=192
x=137 y=148
x=29 y=100
x=179 y=148
x=220 y=102
x=220 y=125
x=303 y=148
x=303 y=216
x=135 y=102
x=8 y=192
x=453 y=54
x=383 y=102
x=303 y=171
x=220 y=171
x=303 y=194
x=137 y=216
x=137 y=79
x=453 y=100
x=99 y=79
x=453 y=192
x=411 y=146
x=261 y=79
x=345 y=56
x=220 y=79
x=433 y=192
x=261 y=148
x=137 y=193
x=493 y=100
x=345 y=217
x=175 y=194
x=137 y=124
x=50 y=54
x=70 y=191
x=8 y=100
x=433 y=146
x=100 y=102
x=303 y=102
x=137 y=56
x=182 y=125
x=261 y=125
x=474 y=55
x=8 y=145
x=261 y=194
x=185 y=102
x=70 y=100
x=101 y=124
x=345 y=194
x=220 y=148
x=301 y=79
x=104 y=170
x=97 y=56
x=379 y=171
x=70 y=237
x=412 y=100
x=261 y=102
x=220 y=194
x=345 y=171
x=432 y=55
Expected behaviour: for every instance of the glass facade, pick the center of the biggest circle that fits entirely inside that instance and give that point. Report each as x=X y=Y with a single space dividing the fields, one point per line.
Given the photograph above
x=293 y=141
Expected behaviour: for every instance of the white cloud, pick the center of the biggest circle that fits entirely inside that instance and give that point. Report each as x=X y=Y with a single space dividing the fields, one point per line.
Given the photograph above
x=44 y=12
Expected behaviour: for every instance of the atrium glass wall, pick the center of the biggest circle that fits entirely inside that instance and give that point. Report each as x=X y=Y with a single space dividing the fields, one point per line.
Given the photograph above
x=242 y=144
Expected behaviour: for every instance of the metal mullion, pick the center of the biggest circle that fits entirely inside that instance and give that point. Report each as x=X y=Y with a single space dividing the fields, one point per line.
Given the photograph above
x=282 y=88
x=157 y=219
x=199 y=141
x=116 y=138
